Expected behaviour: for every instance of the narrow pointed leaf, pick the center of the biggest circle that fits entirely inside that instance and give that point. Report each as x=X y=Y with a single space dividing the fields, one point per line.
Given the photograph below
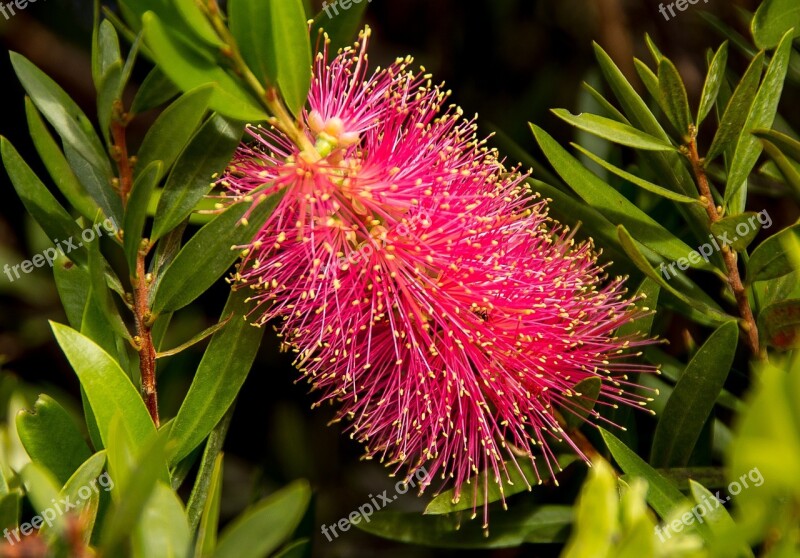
x=207 y=153
x=714 y=79
x=262 y=529
x=732 y=228
x=715 y=315
x=770 y=258
x=57 y=165
x=673 y=92
x=40 y=203
x=613 y=131
x=63 y=114
x=693 y=399
x=737 y=109
x=136 y=210
x=761 y=115
x=611 y=203
x=220 y=375
x=209 y=254
x=172 y=129
x=635 y=180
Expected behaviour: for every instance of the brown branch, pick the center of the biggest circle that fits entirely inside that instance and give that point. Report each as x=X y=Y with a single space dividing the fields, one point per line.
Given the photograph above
x=139 y=279
x=123 y=161
x=729 y=256
x=147 y=351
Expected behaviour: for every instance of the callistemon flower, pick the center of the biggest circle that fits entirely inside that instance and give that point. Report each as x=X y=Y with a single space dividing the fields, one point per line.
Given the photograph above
x=421 y=284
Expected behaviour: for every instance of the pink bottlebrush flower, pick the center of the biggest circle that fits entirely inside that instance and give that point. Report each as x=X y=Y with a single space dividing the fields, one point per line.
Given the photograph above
x=421 y=284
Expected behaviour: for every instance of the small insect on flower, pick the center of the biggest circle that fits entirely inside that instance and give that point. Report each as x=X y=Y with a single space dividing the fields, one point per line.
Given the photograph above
x=421 y=284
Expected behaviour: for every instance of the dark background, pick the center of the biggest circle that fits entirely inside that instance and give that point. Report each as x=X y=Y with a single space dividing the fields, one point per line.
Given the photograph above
x=508 y=60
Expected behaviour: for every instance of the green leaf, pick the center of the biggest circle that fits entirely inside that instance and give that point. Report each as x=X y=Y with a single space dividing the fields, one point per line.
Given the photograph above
x=693 y=399
x=614 y=131
x=108 y=92
x=773 y=19
x=719 y=521
x=189 y=68
x=516 y=477
x=62 y=112
x=770 y=258
x=155 y=90
x=611 y=203
x=668 y=165
x=105 y=52
x=208 y=332
x=51 y=438
x=714 y=79
x=626 y=240
x=262 y=528
x=737 y=109
x=108 y=388
x=39 y=202
x=767 y=437
x=636 y=109
x=525 y=523
x=341 y=27
x=73 y=287
x=137 y=468
x=606 y=105
x=597 y=526
x=209 y=253
x=88 y=474
x=207 y=531
x=198 y=23
x=788 y=170
x=172 y=129
x=207 y=153
x=779 y=324
x=290 y=39
x=162 y=530
x=57 y=165
x=635 y=180
x=761 y=115
x=10 y=505
x=136 y=211
x=97 y=184
x=251 y=23
x=673 y=92
x=41 y=486
x=662 y=495
x=218 y=379
x=786 y=144
x=650 y=81
x=731 y=227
